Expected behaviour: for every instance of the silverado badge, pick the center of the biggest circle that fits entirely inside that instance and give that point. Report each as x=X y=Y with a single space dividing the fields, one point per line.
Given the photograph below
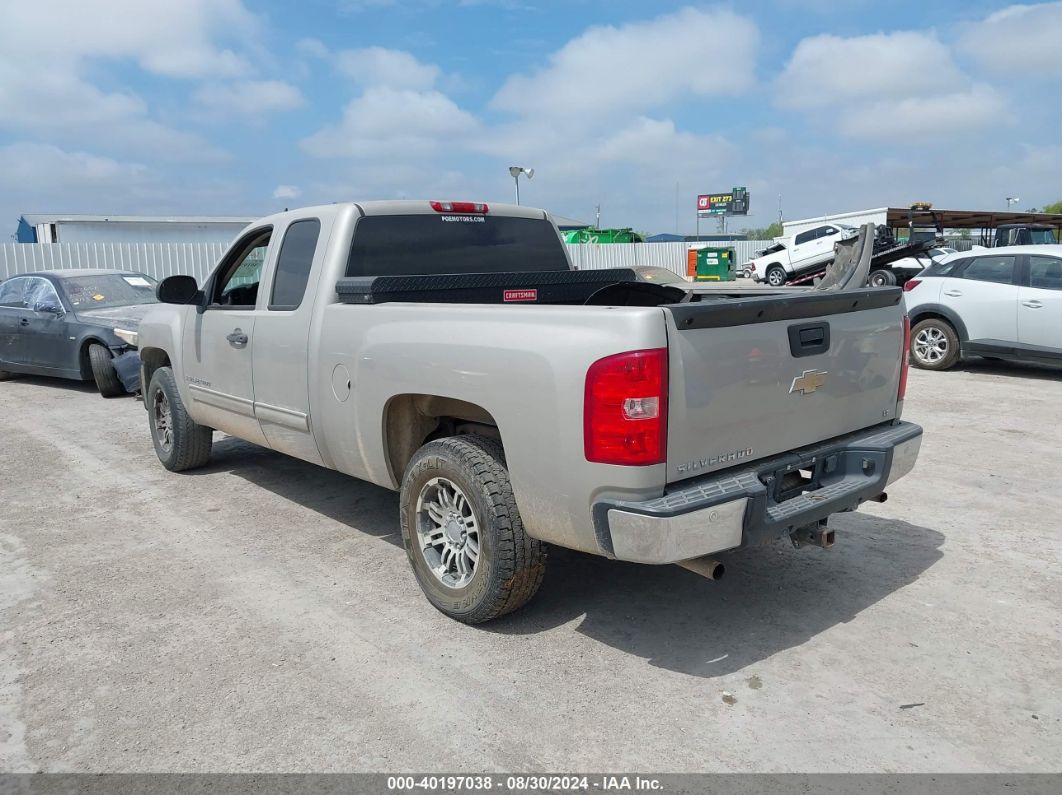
x=808 y=381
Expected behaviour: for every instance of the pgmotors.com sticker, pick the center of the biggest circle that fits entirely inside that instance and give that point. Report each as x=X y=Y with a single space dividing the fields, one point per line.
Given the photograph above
x=520 y=295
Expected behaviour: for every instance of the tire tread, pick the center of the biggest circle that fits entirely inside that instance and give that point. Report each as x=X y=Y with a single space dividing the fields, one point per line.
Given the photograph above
x=191 y=441
x=103 y=372
x=519 y=558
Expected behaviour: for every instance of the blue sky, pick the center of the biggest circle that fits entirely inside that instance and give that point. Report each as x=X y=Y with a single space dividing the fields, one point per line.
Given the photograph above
x=240 y=107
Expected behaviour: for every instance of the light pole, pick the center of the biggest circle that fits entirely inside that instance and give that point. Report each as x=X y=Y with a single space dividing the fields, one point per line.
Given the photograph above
x=1012 y=200
x=516 y=171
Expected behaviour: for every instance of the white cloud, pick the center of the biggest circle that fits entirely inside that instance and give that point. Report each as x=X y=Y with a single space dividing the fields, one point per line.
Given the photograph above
x=249 y=98
x=639 y=66
x=388 y=121
x=43 y=177
x=378 y=66
x=286 y=192
x=375 y=66
x=1020 y=39
x=903 y=87
x=26 y=160
x=916 y=119
x=169 y=38
x=47 y=48
x=826 y=70
x=313 y=47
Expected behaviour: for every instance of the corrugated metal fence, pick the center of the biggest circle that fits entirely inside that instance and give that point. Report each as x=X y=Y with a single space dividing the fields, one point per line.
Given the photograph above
x=160 y=260
x=157 y=260
x=595 y=256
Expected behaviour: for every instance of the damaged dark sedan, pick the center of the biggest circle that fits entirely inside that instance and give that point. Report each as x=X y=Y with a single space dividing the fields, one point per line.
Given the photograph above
x=76 y=324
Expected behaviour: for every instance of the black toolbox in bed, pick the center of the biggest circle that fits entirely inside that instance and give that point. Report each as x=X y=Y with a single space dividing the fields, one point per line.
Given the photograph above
x=542 y=287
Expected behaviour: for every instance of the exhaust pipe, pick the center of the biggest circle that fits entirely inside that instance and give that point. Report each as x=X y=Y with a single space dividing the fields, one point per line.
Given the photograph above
x=706 y=567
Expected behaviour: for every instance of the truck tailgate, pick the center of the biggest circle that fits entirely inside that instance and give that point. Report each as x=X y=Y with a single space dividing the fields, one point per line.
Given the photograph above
x=753 y=377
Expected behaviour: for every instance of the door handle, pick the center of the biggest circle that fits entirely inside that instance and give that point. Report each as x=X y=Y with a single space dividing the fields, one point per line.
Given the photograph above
x=1033 y=304
x=23 y=321
x=953 y=293
x=237 y=339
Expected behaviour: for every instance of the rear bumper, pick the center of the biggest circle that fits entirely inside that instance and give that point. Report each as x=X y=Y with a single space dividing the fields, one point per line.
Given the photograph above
x=758 y=503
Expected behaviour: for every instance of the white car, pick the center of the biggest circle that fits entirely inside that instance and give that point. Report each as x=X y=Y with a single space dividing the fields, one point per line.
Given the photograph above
x=1002 y=303
x=804 y=253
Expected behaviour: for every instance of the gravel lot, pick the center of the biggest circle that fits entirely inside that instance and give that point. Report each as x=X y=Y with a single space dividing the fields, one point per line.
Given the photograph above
x=259 y=615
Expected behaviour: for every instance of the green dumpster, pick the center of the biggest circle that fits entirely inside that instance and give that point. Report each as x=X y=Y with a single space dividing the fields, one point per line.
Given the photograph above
x=715 y=265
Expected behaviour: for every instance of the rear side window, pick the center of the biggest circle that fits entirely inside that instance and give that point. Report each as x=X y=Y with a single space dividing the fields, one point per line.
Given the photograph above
x=944 y=268
x=990 y=269
x=293 y=264
x=804 y=237
x=405 y=245
x=13 y=293
x=1045 y=273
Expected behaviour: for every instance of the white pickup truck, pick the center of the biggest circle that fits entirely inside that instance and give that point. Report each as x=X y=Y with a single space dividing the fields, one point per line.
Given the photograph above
x=807 y=252
x=448 y=350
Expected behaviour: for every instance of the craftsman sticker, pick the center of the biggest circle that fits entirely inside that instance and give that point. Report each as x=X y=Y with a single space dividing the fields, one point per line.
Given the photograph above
x=520 y=295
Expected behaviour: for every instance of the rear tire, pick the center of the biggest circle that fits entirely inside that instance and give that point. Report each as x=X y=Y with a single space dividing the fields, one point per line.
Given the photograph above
x=103 y=372
x=180 y=442
x=882 y=278
x=934 y=345
x=463 y=532
x=775 y=276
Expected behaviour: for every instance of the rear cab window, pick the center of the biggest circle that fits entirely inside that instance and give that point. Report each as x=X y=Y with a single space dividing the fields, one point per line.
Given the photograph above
x=410 y=245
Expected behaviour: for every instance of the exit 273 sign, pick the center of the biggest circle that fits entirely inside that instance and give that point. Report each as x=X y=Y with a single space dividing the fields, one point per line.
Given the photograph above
x=736 y=202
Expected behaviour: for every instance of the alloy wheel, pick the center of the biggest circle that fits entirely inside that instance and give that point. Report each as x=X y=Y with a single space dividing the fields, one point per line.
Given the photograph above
x=447 y=532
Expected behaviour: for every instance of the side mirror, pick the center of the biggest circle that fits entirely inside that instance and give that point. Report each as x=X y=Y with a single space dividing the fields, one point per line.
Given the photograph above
x=48 y=306
x=177 y=290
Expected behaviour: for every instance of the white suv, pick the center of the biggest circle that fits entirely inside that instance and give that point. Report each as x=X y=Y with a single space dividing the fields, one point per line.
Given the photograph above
x=1003 y=303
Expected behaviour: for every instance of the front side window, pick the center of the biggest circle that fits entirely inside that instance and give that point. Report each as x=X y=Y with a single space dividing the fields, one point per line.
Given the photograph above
x=237 y=284
x=990 y=269
x=41 y=293
x=1045 y=273
x=293 y=264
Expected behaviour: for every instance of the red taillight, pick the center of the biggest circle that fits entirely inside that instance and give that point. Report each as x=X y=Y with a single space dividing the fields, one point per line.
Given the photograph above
x=464 y=208
x=910 y=284
x=625 y=409
x=905 y=357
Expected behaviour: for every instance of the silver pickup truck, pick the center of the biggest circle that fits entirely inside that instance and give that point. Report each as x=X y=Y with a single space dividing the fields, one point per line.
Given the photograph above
x=448 y=350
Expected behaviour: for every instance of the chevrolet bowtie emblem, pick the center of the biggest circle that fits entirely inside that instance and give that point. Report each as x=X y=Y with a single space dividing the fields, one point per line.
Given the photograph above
x=808 y=381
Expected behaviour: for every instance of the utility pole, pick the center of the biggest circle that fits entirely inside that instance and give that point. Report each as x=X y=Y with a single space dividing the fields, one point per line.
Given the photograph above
x=597 y=210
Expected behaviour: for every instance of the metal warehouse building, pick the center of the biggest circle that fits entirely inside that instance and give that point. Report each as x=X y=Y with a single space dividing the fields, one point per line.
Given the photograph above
x=40 y=228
